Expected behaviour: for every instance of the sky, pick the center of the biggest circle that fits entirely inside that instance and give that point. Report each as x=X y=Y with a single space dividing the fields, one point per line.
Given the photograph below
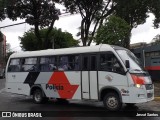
x=143 y=33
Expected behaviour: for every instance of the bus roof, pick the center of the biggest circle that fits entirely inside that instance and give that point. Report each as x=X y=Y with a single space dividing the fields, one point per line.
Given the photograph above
x=74 y=50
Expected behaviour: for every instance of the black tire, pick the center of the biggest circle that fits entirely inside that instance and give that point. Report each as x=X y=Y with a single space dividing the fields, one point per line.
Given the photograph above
x=112 y=102
x=38 y=97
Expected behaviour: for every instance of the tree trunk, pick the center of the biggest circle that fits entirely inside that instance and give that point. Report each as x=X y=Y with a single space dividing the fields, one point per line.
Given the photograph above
x=127 y=40
x=82 y=32
x=46 y=40
x=36 y=30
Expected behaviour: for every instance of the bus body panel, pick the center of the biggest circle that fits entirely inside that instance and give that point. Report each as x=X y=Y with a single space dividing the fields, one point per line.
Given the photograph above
x=94 y=85
x=85 y=85
x=81 y=84
x=15 y=83
x=18 y=88
x=114 y=80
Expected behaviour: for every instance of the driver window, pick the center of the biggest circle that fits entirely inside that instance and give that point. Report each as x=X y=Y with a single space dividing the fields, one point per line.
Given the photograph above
x=109 y=62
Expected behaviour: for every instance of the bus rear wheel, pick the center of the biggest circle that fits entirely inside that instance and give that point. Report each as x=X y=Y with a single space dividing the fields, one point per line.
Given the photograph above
x=112 y=102
x=38 y=97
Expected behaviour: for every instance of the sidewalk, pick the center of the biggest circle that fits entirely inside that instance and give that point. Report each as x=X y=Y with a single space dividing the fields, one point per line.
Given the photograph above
x=157 y=90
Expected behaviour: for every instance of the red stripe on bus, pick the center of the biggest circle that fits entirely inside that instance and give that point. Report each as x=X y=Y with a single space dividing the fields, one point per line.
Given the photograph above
x=152 y=68
x=60 y=79
x=138 y=79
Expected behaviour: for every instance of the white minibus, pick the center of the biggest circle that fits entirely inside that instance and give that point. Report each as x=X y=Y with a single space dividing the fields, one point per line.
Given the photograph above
x=106 y=73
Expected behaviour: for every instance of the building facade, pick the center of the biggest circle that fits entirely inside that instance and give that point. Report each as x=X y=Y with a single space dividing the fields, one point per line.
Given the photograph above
x=149 y=54
x=3 y=51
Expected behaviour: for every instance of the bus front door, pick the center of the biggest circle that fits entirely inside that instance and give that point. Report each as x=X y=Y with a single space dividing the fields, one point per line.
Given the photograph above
x=89 y=77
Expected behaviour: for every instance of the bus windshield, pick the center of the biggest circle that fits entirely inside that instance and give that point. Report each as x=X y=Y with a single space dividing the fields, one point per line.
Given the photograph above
x=135 y=64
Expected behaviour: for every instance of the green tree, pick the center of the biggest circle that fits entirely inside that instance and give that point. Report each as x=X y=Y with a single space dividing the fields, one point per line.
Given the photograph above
x=134 y=12
x=39 y=13
x=155 y=9
x=57 y=38
x=114 y=31
x=156 y=40
x=91 y=11
x=2 y=10
x=2 y=16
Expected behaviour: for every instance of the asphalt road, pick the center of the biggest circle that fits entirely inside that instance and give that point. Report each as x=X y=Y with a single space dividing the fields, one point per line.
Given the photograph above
x=68 y=111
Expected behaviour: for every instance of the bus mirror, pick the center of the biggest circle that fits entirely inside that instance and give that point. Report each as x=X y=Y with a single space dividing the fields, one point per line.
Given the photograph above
x=127 y=64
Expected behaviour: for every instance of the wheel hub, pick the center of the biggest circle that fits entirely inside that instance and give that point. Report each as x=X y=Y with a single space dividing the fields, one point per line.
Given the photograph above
x=112 y=102
x=38 y=97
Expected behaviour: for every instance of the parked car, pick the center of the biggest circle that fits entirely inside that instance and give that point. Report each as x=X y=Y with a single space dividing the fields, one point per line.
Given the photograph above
x=2 y=73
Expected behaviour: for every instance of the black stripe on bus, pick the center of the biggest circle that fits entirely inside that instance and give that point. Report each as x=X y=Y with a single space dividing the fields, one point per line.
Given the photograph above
x=31 y=78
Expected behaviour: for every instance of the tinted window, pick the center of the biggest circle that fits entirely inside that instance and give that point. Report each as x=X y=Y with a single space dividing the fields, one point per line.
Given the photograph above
x=85 y=64
x=29 y=64
x=93 y=63
x=70 y=62
x=14 y=65
x=74 y=62
x=47 y=64
x=108 y=62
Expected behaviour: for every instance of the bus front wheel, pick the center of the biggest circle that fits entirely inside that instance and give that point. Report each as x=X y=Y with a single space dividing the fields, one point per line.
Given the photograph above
x=112 y=102
x=38 y=97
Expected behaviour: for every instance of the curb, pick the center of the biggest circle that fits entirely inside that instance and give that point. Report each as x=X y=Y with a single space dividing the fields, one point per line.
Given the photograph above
x=156 y=98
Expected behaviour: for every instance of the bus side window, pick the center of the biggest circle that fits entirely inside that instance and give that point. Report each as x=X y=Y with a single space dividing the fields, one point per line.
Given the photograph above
x=48 y=64
x=14 y=65
x=93 y=63
x=29 y=64
x=63 y=63
x=85 y=63
x=74 y=62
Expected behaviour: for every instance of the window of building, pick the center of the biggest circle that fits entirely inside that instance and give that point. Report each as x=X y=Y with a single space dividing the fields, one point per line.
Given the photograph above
x=157 y=53
x=138 y=55
x=147 y=54
x=29 y=64
x=14 y=65
x=152 y=54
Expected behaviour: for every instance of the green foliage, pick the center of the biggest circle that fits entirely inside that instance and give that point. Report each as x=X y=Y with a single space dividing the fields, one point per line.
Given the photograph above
x=113 y=32
x=39 y=13
x=155 y=9
x=2 y=10
x=156 y=40
x=92 y=11
x=134 y=12
x=60 y=39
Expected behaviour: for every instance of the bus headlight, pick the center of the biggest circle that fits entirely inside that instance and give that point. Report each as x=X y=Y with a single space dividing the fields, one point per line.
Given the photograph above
x=139 y=86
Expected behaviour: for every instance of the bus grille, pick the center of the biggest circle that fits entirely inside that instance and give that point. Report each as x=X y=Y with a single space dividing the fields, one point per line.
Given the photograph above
x=149 y=87
x=149 y=95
